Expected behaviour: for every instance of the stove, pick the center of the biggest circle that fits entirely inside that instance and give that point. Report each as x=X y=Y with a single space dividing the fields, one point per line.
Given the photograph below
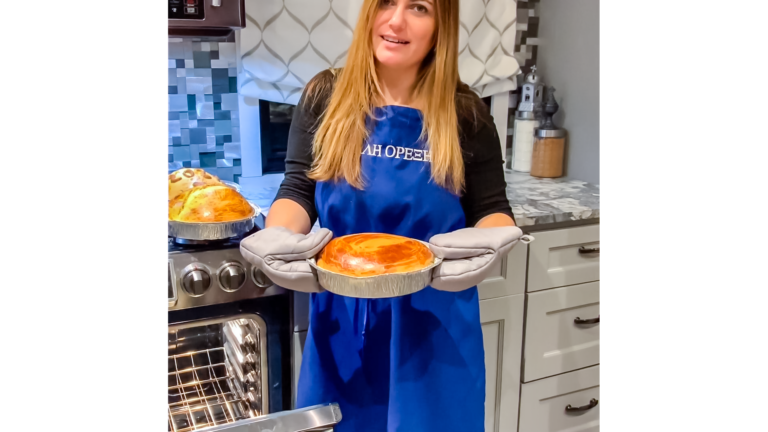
x=229 y=338
x=210 y=272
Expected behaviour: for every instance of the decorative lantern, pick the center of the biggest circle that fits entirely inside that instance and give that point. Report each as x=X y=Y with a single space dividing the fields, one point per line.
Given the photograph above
x=533 y=92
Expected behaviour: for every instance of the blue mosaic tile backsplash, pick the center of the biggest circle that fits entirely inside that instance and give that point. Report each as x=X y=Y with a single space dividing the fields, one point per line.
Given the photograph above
x=203 y=121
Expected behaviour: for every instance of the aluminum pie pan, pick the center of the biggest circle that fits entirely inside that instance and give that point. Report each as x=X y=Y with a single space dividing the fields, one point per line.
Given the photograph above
x=232 y=185
x=213 y=230
x=381 y=286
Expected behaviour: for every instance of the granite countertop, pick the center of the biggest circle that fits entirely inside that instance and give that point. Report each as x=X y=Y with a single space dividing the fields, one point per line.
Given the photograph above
x=539 y=201
x=535 y=201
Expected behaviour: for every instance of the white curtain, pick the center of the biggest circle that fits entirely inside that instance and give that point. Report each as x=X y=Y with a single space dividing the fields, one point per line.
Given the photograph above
x=287 y=42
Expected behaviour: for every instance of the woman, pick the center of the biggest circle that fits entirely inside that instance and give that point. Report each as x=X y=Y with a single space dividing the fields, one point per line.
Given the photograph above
x=393 y=143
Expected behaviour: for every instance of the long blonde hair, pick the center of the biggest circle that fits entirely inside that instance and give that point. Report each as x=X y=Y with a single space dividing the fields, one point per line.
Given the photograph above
x=338 y=141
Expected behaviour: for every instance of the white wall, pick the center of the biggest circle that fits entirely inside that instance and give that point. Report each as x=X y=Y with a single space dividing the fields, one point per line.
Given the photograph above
x=568 y=59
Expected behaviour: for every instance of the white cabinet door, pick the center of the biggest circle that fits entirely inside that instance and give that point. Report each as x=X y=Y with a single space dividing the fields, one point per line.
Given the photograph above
x=300 y=311
x=297 y=350
x=564 y=257
x=543 y=403
x=508 y=276
x=554 y=341
x=502 y=320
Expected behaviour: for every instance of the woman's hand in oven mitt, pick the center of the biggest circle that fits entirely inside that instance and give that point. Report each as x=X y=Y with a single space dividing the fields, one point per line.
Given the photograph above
x=282 y=255
x=469 y=254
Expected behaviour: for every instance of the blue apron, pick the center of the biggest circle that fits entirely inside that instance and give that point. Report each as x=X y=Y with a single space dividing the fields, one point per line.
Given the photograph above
x=412 y=363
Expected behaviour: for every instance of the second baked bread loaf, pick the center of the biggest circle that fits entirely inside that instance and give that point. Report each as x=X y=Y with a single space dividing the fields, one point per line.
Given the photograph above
x=213 y=203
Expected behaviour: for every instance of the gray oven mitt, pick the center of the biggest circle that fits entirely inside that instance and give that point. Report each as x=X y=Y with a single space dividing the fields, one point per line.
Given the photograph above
x=470 y=253
x=282 y=255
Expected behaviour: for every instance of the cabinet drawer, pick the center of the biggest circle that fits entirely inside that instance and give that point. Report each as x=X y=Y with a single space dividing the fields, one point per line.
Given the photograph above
x=562 y=257
x=542 y=403
x=554 y=341
x=508 y=275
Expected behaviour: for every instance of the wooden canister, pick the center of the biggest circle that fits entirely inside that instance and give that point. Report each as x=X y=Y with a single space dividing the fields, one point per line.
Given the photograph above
x=548 y=153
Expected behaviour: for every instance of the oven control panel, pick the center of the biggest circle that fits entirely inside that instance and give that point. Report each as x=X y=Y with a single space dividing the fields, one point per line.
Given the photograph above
x=202 y=278
x=186 y=9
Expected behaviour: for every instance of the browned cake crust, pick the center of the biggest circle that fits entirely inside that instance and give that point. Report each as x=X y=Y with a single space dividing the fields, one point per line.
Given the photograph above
x=363 y=255
x=187 y=178
x=213 y=203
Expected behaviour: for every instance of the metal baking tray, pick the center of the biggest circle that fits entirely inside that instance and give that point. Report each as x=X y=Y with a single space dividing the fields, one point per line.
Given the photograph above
x=213 y=230
x=380 y=286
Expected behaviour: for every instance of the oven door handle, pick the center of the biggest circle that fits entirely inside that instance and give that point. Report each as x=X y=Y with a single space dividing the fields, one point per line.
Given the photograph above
x=311 y=418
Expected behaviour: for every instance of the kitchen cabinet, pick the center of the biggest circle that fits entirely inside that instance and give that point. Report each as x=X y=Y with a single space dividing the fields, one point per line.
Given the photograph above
x=561 y=334
x=543 y=403
x=297 y=348
x=564 y=257
x=508 y=276
x=502 y=324
x=550 y=283
x=502 y=302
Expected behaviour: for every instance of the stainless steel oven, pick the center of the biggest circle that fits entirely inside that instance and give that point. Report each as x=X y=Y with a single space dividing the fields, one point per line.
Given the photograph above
x=229 y=345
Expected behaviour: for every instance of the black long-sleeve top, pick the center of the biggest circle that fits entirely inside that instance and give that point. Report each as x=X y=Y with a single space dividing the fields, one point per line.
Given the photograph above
x=485 y=188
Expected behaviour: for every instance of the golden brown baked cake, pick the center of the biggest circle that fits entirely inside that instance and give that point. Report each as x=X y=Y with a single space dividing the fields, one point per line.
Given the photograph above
x=374 y=254
x=188 y=178
x=213 y=203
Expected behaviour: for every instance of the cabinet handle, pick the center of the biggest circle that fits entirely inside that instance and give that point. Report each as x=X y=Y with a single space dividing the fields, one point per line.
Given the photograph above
x=587 y=321
x=586 y=250
x=592 y=404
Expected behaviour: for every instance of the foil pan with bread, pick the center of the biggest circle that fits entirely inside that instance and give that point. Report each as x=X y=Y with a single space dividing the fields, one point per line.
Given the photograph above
x=368 y=265
x=374 y=265
x=202 y=207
